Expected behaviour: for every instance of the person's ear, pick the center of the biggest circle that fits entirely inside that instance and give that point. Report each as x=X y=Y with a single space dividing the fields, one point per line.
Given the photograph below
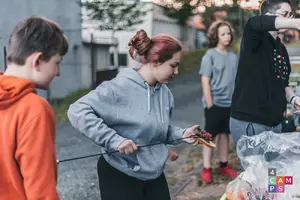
x=36 y=60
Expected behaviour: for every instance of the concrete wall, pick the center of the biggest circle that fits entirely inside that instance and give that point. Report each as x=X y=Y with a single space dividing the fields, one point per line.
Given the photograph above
x=167 y=25
x=67 y=14
x=101 y=62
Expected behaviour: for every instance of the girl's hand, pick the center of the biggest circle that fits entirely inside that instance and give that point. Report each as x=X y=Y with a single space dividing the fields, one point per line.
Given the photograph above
x=189 y=133
x=127 y=147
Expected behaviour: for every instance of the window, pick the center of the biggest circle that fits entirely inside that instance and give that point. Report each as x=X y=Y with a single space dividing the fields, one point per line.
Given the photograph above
x=122 y=59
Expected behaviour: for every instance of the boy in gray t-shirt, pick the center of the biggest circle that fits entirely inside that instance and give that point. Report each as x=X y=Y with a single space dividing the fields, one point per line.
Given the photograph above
x=218 y=70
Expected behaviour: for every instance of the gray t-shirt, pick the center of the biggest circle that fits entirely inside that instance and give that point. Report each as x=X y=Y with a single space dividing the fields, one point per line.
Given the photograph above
x=222 y=69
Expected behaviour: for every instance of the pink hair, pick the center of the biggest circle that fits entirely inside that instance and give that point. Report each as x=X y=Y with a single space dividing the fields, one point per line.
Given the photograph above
x=160 y=48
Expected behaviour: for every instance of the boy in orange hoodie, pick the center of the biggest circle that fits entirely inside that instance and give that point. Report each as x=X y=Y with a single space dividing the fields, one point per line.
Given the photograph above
x=28 y=168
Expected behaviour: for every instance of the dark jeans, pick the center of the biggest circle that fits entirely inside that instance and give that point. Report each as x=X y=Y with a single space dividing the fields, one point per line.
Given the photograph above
x=239 y=128
x=115 y=185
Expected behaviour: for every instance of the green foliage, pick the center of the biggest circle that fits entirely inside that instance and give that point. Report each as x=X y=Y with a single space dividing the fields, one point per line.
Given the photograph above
x=235 y=16
x=115 y=15
x=180 y=14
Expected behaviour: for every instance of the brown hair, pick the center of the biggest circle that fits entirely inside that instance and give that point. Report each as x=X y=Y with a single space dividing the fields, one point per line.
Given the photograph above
x=213 y=31
x=36 y=34
x=158 y=49
x=272 y=5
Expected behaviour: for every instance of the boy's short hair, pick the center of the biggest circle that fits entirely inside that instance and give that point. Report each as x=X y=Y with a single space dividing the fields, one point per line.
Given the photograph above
x=272 y=5
x=36 y=34
x=212 y=33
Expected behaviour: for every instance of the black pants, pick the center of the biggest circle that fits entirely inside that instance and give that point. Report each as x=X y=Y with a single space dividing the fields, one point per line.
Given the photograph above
x=217 y=120
x=115 y=185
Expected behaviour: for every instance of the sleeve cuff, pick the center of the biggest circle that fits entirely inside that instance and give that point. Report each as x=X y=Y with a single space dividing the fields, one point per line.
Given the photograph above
x=270 y=20
x=114 y=142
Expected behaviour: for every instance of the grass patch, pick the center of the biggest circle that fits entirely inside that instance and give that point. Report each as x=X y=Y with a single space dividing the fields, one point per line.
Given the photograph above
x=191 y=60
x=61 y=106
x=294 y=44
x=236 y=46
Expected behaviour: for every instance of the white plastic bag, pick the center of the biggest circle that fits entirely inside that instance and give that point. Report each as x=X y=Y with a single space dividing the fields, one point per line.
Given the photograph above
x=267 y=157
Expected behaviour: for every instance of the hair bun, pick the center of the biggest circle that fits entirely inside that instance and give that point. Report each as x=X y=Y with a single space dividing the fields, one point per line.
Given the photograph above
x=140 y=42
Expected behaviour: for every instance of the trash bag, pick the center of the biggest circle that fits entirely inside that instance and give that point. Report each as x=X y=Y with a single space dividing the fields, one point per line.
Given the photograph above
x=271 y=162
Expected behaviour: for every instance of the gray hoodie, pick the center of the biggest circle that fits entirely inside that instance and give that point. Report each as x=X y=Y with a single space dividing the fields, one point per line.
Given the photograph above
x=128 y=108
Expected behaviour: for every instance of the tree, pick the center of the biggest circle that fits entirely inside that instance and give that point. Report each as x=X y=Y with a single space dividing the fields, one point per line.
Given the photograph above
x=115 y=15
x=237 y=16
x=181 y=10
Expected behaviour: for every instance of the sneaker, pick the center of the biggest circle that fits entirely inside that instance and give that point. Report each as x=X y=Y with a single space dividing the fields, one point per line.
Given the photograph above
x=228 y=171
x=206 y=175
x=173 y=155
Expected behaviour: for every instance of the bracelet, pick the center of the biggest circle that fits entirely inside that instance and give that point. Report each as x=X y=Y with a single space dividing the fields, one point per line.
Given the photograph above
x=293 y=99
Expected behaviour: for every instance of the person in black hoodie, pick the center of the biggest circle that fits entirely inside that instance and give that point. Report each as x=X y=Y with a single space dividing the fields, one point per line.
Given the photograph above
x=262 y=88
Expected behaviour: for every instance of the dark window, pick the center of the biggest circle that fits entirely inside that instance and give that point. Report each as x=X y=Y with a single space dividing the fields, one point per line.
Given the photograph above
x=122 y=59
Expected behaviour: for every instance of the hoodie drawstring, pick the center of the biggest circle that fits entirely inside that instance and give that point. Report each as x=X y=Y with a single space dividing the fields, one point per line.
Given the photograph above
x=160 y=98
x=161 y=105
x=148 y=97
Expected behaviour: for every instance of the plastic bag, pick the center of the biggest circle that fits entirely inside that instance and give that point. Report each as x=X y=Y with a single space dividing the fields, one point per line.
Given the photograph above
x=271 y=162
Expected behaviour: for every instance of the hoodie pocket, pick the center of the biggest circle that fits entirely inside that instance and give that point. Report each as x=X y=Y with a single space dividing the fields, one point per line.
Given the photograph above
x=130 y=162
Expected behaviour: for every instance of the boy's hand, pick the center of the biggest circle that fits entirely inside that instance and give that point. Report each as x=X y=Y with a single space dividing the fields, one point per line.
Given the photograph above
x=127 y=147
x=297 y=106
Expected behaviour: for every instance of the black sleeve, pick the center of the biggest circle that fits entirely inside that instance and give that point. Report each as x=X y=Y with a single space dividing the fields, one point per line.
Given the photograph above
x=255 y=29
x=261 y=23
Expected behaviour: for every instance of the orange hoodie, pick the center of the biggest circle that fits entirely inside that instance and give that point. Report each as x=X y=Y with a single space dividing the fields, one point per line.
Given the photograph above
x=28 y=169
